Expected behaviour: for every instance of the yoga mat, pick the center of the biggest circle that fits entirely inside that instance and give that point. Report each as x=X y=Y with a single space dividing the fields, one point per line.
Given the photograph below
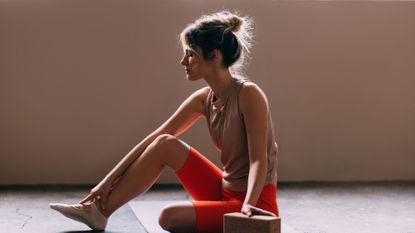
x=148 y=213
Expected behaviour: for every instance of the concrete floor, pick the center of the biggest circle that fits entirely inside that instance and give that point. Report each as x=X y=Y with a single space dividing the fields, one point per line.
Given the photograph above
x=306 y=207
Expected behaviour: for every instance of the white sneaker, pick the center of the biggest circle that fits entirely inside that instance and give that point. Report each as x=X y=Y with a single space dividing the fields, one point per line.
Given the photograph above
x=94 y=219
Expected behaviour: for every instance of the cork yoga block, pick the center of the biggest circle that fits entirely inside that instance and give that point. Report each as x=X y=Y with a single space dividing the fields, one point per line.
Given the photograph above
x=240 y=223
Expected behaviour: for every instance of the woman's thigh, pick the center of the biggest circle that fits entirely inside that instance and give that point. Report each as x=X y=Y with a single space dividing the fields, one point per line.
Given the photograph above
x=200 y=177
x=209 y=214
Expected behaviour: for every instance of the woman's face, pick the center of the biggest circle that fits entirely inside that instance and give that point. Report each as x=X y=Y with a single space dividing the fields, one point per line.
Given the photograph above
x=194 y=63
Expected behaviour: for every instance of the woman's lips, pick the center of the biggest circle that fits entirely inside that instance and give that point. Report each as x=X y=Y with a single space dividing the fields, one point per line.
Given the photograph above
x=187 y=71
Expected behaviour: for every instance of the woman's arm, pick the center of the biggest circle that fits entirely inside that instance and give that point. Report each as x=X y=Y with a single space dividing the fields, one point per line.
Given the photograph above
x=254 y=108
x=134 y=153
x=184 y=117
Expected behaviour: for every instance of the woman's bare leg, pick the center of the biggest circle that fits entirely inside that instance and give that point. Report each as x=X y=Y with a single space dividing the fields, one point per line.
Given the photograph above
x=144 y=171
x=178 y=217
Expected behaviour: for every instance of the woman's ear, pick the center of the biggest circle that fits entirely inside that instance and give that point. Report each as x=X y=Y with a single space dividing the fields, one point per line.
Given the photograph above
x=216 y=56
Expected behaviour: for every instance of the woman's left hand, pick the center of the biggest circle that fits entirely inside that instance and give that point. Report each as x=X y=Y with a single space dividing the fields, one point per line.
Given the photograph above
x=250 y=210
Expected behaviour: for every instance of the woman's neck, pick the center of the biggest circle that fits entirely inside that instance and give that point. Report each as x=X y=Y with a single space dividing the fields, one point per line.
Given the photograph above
x=219 y=82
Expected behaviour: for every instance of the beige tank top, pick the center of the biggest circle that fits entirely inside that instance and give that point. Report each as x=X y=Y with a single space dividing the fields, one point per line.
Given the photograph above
x=227 y=130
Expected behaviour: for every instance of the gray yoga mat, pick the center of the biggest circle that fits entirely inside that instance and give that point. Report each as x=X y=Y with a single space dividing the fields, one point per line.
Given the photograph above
x=148 y=212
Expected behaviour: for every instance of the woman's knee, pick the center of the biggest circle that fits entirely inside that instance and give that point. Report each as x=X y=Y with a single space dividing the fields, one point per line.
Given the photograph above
x=172 y=150
x=163 y=138
x=166 y=219
x=166 y=140
x=177 y=218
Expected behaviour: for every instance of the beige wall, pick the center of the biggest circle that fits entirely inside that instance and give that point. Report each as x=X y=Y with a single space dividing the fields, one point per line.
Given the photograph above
x=81 y=82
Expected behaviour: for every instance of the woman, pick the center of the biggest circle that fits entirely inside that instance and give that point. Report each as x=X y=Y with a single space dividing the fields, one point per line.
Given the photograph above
x=240 y=125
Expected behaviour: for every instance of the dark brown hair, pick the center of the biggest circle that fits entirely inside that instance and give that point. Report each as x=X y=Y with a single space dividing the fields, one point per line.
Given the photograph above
x=228 y=32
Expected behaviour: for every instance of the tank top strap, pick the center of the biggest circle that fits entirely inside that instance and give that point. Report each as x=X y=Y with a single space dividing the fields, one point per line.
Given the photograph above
x=207 y=103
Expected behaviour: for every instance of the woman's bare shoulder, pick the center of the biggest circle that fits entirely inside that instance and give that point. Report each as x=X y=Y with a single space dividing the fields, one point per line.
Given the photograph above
x=200 y=97
x=204 y=90
x=251 y=97
x=250 y=89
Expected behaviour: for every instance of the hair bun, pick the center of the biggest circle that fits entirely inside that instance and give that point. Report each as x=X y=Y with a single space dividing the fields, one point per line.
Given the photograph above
x=234 y=23
x=228 y=32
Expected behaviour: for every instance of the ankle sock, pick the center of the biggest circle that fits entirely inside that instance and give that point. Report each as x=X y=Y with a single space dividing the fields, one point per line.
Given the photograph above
x=94 y=219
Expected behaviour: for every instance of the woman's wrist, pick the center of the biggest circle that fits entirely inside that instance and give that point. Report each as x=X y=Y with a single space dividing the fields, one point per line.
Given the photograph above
x=248 y=203
x=110 y=178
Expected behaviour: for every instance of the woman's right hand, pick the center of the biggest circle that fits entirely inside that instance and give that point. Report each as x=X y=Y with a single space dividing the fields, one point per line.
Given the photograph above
x=101 y=192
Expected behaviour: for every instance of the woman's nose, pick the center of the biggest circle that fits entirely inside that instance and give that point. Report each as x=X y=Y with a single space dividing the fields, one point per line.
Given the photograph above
x=183 y=61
